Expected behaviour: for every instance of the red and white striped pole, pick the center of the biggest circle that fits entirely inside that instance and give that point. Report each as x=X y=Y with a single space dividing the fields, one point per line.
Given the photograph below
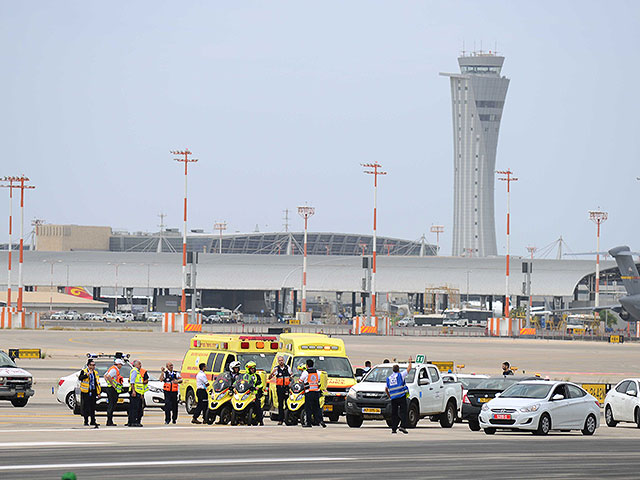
x=10 y=187
x=507 y=179
x=186 y=160
x=305 y=212
x=598 y=217
x=375 y=172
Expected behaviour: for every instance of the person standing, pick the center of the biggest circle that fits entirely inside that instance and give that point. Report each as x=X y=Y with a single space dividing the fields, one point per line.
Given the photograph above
x=311 y=379
x=397 y=391
x=172 y=381
x=282 y=372
x=89 y=391
x=506 y=368
x=113 y=388
x=145 y=382
x=202 y=383
x=255 y=380
x=367 y=367
x=136 y=394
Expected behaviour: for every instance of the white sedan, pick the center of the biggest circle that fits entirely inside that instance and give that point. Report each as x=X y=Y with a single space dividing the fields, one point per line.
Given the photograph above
x=622 y=404
x=68 y=388
x=540 y=406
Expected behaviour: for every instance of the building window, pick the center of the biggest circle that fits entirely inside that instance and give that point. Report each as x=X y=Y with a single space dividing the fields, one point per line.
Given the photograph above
x=489 y=103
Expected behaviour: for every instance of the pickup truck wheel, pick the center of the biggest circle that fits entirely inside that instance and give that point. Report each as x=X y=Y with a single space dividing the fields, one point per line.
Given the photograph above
x=413 y=415
x=19 y=402
x=354 y=421
x=448 y=418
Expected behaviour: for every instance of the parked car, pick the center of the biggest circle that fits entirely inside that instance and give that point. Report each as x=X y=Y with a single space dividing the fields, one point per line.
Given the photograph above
x=406 y=322
x=428 y=396
x=58 y=316
x=71 y=315
x=540 y=406
x=15 y=383
x=467 y=380
x=69 y=388
x=622 y=403
x=484 y=392
x=154 y=316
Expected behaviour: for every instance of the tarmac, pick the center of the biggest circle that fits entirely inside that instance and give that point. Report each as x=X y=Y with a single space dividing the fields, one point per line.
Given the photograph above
x=44 y=439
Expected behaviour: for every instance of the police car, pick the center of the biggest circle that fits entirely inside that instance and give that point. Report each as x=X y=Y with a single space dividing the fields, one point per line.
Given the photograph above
x=15 y=383
x=69 y=386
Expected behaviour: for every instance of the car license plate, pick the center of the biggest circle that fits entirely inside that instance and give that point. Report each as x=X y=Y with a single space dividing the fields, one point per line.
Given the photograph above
x=20 y=394
x=484 y=400
x=121 y=400
x=328 y=408
x=502 y=416
x=371 y=410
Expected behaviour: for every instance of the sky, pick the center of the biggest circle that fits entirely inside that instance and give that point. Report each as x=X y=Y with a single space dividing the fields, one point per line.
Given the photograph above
x=282 y=101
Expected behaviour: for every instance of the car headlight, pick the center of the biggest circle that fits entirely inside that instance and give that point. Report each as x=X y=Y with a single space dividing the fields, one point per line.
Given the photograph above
x=2 y=379
x=352 y=394
x=530 y=408
x=485 y=407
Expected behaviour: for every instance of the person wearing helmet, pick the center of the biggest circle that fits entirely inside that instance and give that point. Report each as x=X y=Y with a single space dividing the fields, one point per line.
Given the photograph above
x=234 y=370
x=253 y=377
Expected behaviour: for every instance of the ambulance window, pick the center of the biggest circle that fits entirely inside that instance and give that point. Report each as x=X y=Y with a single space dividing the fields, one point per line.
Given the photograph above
x=210 y=360
x=217 y=367
x=230 y=358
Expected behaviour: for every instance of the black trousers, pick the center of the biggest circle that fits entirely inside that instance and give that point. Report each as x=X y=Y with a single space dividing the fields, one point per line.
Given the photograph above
x=312 y=408
x=202 y=406
x=88 y=401
x=170 y=406
x=399 y=413
x=112 y=399
x=258 y=409
x=282 y=393
x=135 y=409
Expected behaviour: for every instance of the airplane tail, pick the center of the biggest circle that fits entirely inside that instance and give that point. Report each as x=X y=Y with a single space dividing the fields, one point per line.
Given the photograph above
x=628 y=269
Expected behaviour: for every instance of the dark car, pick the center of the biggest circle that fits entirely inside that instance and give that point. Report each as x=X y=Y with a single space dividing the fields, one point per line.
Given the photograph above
x=484 y=392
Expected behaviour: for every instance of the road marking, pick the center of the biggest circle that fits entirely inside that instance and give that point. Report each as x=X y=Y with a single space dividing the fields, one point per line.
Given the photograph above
x=161 y=463
x=47 y=444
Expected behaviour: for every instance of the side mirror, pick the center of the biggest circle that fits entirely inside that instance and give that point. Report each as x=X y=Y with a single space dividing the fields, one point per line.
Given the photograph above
x=557 y=397
x=632 y=393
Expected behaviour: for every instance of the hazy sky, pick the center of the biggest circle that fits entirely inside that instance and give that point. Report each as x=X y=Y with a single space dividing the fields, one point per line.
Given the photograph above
x=282 y=100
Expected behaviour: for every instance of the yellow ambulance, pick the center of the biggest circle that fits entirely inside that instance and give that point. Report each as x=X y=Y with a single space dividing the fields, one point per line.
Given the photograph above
x=329 y=355
x=217 y=352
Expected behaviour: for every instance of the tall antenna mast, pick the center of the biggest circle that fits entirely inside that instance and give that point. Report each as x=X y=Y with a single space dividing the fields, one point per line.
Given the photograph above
x=286 y=219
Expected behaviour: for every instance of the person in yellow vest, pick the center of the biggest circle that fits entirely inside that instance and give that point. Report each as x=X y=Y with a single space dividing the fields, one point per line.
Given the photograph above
x=113 y=388
x=145 y=382
x=311 y=379
x=137 y=388
x=89 y=391
x=171 y=385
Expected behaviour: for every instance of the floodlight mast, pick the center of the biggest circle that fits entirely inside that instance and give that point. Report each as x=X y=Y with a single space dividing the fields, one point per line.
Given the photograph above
x=305 y=212
x=598 y=217
x=507 y=178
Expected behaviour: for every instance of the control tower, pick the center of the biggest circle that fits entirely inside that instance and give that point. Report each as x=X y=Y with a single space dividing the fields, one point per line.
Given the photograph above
x=477 y=96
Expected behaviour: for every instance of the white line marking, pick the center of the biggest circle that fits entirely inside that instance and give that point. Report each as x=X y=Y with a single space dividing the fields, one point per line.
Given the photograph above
x=47 y=444
x=160 y=463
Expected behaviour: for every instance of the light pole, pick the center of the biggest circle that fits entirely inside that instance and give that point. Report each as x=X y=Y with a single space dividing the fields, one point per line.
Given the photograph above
x=52 y=263
x=10 y=187
x=186 y=160
x=437 y=229
x=508 y=178
x=221 y=227
x=117 y=265
x=375 y=172
x=468 y=273
x=598 y=218
x=305 y=212
x=531 y=250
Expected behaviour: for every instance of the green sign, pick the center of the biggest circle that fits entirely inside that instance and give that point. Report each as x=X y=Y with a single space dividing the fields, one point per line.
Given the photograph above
x=420 y=358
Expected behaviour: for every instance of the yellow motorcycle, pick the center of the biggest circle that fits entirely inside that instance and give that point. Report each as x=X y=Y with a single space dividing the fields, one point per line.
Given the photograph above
x=295 y=411
x=243 y=402
x=220 y=400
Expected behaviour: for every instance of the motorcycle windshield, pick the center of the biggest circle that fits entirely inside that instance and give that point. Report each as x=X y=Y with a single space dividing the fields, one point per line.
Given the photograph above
x=297 y=387
x=222 y=383
x=242 y=386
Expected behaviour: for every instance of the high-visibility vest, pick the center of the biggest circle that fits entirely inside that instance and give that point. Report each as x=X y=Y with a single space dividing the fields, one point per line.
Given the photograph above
x=283 y=377
x=313 y=381
x=396 y=386
x=114 y=383
x=86 y=383
x=169 y=386
x=135 y=382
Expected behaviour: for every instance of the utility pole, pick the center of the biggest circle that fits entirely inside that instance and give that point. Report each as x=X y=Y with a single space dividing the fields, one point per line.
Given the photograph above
x=221 y=227
x=161 y=237
x=598 y=218
x=437 y=229
x=11 y=180
x=186 y=160
x=305 y=212
x=375 y=172
x=508 y=178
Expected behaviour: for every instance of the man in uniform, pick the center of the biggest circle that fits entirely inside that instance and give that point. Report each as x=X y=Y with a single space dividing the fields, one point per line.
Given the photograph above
x=136 y=394
x=172 y=381
x=89 y=391
x=311 y=379
x=251 y=375
x=282 y=372
x=113 y=388
x=397 y=391
x=202 y=383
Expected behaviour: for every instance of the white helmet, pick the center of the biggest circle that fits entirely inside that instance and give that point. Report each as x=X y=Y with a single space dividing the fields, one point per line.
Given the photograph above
x=234 y=365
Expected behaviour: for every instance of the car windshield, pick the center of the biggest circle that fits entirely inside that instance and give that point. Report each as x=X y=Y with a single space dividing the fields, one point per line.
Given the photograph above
x=263 y=360
x=497 y=383
x=336 y=367
x=526 y=390
x=380 y=375
x=5 y=361
x=469 y=383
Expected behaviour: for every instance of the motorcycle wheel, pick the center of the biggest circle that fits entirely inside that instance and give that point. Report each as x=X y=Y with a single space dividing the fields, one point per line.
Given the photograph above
x=234 y=417
x=250 y=416
x=225 y=415
x=290 y=419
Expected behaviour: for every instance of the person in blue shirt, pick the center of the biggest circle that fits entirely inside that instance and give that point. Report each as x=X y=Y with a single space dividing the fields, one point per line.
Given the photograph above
x=397 y=392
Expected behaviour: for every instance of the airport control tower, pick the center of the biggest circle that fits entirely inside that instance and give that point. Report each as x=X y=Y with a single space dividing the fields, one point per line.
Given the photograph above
x=477 y=95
